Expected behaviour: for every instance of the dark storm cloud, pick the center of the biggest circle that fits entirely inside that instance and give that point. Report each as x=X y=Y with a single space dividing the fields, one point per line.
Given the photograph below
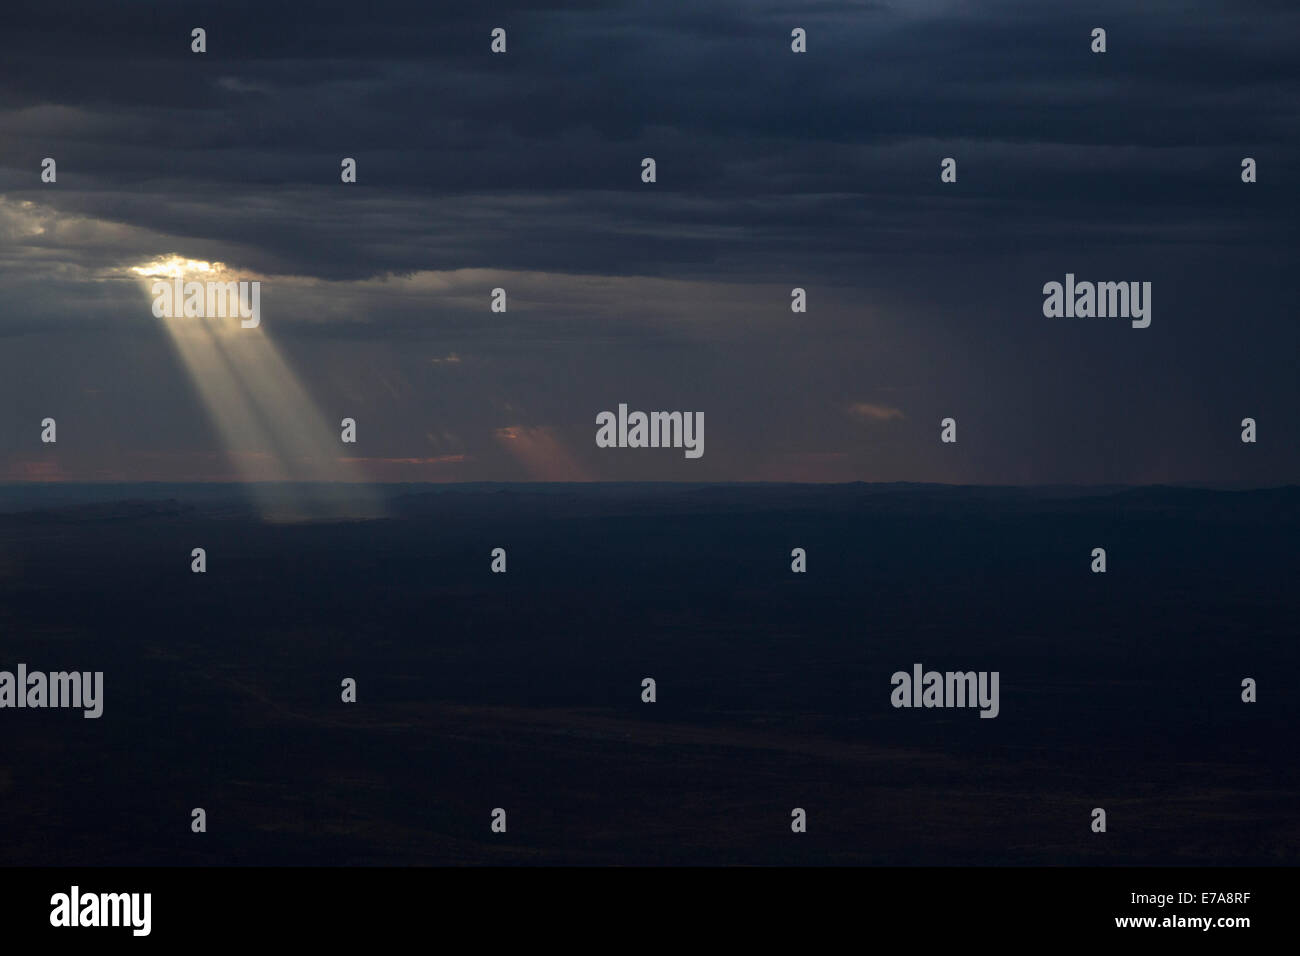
x=775 y=170
x=531 y=160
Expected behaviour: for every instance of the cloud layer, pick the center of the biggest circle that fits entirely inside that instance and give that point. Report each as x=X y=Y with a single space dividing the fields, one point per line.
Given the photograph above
x=775 y=170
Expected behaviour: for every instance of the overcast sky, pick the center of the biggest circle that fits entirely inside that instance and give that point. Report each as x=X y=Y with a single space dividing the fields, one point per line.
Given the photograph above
x=775 y=170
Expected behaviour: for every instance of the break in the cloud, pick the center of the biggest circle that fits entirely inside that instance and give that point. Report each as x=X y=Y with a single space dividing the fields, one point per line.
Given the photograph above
x=775 y=171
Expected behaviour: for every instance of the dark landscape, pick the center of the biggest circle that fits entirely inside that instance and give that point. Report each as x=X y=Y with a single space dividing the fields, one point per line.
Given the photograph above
x=522 y=690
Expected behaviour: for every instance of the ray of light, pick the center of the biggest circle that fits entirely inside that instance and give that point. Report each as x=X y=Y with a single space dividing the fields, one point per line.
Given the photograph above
x=269 y=424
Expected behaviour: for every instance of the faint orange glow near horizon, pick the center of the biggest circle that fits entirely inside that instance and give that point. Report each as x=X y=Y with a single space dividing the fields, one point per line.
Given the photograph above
x=541 y=454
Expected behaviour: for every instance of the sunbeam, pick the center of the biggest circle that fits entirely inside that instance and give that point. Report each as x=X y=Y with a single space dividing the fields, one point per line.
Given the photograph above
x=269 y=424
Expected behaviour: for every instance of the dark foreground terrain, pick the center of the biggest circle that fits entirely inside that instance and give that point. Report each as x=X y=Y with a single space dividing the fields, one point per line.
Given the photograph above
x=522 y=690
